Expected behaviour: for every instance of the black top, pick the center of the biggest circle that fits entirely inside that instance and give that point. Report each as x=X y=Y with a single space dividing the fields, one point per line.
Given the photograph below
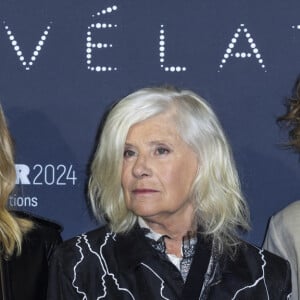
x=25 y=276
x=104 y=265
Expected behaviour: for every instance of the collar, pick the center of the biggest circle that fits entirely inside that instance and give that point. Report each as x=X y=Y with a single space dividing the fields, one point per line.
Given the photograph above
x=133 y=248
x=151 y=234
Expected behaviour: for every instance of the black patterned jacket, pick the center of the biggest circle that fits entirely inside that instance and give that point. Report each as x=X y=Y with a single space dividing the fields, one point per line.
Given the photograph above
x=104 y=265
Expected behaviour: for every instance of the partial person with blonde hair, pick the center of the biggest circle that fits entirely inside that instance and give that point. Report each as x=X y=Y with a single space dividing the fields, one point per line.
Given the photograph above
x=26 y=242
x=283 y=233
x=164 y=180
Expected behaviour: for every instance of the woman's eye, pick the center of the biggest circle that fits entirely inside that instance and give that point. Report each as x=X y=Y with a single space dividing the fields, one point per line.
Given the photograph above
x=129 y=153
x=162 y=150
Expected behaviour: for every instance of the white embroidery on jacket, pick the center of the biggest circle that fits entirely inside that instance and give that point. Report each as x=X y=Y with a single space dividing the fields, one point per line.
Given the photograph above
x=103 y=265
x=162 y=286
x=264 y=263
x=112 y=235
x=74 y=269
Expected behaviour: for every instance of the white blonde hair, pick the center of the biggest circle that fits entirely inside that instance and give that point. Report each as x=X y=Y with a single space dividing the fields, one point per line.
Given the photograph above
x=219 y=204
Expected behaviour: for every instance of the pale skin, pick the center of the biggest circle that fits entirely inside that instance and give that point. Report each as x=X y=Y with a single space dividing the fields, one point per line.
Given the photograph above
x=158 y=171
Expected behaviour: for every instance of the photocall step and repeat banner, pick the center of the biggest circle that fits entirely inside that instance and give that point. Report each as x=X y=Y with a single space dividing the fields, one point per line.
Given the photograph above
x=63 y=63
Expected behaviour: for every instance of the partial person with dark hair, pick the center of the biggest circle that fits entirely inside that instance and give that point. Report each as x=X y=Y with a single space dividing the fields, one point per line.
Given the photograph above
x=164 y=179
x=283 y=233
x=26 y=242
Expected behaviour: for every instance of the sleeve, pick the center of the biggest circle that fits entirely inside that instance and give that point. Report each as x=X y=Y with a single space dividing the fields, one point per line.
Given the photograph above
x=278 y=241
x=287 y=286
x=59 y=284
x=274 y=240
x=55 y=240
x=277 y=277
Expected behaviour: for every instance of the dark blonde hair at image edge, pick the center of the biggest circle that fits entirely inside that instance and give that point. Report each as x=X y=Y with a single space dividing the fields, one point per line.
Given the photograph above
x=12 y=228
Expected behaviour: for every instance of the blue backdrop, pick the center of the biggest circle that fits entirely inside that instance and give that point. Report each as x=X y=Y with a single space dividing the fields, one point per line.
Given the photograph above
x=62 y=63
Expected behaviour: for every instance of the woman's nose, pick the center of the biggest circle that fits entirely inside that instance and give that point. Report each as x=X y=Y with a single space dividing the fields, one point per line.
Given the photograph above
x=141 y=167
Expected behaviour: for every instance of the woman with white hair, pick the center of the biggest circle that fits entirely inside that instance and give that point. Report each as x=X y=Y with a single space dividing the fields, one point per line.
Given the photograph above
x=164 y=179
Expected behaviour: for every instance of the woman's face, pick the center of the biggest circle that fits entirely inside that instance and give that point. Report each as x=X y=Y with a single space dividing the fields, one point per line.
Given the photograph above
x=158 y=170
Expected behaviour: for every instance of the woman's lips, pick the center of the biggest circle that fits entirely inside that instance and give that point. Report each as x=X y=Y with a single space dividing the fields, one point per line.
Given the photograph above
x=144 y=191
